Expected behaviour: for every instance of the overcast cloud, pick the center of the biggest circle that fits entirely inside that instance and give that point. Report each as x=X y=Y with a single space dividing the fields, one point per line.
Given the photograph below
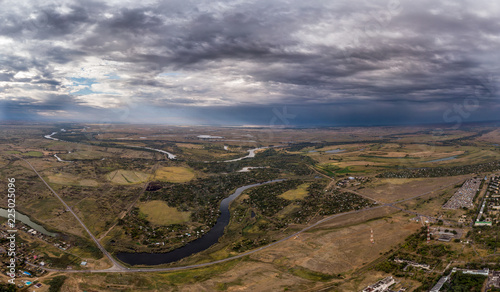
x=233 y=62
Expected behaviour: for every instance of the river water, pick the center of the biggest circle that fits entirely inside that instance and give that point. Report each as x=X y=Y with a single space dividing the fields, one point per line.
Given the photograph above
x=26 y=220
x=195 y=246
x=251 y=154
x=169 y=155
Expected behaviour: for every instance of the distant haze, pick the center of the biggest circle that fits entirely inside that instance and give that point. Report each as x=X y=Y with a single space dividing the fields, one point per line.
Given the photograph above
x=250 y=62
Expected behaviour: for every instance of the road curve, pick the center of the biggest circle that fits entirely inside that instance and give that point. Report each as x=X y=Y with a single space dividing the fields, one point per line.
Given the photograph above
x=136 y=270
x=118 y=268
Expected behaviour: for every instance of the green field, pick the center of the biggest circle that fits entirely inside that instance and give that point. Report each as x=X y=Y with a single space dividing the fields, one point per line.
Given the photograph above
x=12 y=152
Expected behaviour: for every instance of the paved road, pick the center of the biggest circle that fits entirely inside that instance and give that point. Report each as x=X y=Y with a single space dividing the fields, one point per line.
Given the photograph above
x=135 y=270
x=116 y=266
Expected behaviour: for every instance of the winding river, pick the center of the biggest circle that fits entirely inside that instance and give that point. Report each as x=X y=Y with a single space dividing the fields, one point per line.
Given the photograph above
x=169 y=155
x=251 y=153
x=195 y=246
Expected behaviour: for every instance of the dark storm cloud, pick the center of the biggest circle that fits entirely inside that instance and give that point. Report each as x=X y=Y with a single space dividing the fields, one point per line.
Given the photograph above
x=387 y=60
x=26 y=108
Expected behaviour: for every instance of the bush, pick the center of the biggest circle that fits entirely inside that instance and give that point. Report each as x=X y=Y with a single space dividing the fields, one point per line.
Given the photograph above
x=56 y=283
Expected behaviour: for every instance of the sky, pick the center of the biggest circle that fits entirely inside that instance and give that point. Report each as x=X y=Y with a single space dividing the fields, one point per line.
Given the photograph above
x=271 y=63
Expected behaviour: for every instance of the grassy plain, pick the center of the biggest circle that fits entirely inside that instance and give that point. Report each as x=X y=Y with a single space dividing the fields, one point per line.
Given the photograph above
x=393 y=190
x=314 y=258
x=159 y=213
x=175 y=174
x=69 y=179
x=123 y=176
x=296 y=194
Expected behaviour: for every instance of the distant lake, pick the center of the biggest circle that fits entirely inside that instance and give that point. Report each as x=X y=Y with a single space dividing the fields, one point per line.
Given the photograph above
x=26 y=220
x=443 y=159
x=209 y=137
x=335 y=151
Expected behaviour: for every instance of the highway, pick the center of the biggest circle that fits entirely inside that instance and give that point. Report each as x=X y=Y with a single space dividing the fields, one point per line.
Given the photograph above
x=136 y=270
x=118 y=268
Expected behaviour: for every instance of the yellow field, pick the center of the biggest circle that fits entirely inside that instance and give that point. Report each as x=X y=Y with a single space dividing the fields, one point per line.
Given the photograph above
x=296 y=194
x=175 y=174
x=122 y=176
x=159 y=213
x=68 y=179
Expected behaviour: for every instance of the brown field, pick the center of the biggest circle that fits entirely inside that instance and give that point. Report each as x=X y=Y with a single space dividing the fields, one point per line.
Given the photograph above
x=493 y=137
x=432 y=205
x=340 y=246
x=392 y=190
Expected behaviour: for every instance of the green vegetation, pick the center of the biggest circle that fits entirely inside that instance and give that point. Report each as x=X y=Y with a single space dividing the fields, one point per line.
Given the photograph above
x=415 y=249
x=182 y=198
x=56 y=283
x=280 y=161
x=442 y=171
x=267 y=201
x=267 y=198
x=7 y=288
x=312 y=275
x=487 y=236
x=201 y=197
x=63 y=261
x=12 y=152
x=465 y=282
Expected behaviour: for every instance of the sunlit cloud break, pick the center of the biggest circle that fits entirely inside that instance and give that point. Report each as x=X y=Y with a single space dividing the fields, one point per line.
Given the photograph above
x=233 y=62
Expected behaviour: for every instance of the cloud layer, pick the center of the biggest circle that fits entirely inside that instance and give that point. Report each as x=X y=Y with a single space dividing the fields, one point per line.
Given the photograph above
x=327 y=62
